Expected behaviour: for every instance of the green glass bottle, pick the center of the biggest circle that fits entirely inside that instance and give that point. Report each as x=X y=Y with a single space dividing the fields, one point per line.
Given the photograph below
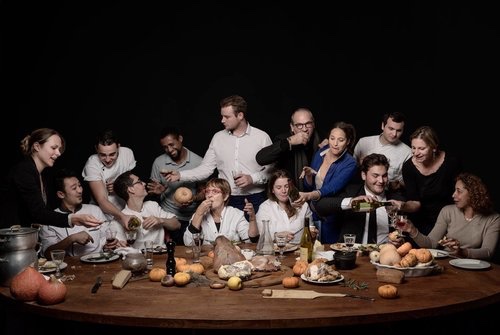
x=365 y=206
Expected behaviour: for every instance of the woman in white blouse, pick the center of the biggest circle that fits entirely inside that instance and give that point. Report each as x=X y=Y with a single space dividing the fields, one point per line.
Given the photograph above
x=213 y=217
x=278 y=208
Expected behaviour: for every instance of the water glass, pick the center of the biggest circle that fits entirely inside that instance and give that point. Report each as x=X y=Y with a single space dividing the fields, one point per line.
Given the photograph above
x=196 y=246
x=57 y=256
x=280 y=239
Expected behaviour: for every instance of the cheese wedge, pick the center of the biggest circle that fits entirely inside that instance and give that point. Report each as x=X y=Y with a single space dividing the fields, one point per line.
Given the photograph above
x=121 y=278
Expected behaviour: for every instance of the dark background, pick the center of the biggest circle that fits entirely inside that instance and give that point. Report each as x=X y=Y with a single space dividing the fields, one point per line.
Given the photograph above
x=80 y=67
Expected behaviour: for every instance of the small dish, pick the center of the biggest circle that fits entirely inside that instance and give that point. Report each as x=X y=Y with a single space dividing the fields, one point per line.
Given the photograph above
x=99 y=257
x=416 y=271
x=436 y=253
x=470 y=264
x=49 y=269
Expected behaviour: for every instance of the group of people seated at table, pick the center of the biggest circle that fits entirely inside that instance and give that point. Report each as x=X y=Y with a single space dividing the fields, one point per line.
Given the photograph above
x=244 y=179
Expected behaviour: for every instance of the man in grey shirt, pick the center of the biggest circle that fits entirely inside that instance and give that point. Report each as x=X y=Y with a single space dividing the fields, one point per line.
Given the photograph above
x=176 y=158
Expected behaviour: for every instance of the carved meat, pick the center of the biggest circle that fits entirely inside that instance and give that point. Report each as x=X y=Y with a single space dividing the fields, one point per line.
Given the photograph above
x=225 y=253
x=265 y=263
x=241 y=269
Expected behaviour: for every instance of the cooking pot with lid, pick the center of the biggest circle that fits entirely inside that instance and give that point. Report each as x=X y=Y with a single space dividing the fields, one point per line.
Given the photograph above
x=18 y=249
x=18 y=238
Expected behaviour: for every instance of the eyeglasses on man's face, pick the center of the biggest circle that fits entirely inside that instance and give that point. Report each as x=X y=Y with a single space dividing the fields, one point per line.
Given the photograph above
x=301 y=126
x=137 y=182
x=212 y=191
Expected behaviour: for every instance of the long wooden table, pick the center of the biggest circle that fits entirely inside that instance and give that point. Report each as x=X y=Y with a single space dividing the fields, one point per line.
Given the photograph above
x=148 y=304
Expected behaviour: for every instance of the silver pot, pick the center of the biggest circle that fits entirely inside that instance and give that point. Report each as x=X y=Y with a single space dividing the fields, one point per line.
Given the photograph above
x=17 y=251
x=18 y=238
x=13 y=262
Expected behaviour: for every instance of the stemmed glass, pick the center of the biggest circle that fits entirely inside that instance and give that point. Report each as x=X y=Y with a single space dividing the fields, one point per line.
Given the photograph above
x=392 y=212
x=280 y=239
x=349 y=240
x=58 y=257
x=131 y=237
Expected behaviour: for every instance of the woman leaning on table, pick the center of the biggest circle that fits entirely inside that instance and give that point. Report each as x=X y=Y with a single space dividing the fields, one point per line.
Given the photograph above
x=28 y=184
x=469 y=228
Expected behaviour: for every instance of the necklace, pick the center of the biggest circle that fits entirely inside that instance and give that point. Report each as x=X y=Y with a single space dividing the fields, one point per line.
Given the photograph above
x=469 y=219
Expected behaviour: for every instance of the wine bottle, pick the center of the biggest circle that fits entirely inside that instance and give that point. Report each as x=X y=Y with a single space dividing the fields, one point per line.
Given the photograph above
x=365 y=206
x=306 y=244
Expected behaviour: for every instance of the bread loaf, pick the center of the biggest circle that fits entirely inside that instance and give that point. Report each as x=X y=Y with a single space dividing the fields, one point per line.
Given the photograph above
x=390 y=276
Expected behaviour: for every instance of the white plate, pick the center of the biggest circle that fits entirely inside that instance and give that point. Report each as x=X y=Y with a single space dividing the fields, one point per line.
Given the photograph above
x=304 y=278
x=41 y=269
x=343 y=247
x=90 y=258
x=436 y=253
x=471 y=264
x=289 y=247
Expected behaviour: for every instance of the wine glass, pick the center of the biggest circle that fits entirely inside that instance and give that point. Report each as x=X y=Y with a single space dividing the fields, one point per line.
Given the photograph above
x=349 y=240
x=131 y=237
x=57 y=256
x=392 y=212
x=280 y=239
x=400 y=223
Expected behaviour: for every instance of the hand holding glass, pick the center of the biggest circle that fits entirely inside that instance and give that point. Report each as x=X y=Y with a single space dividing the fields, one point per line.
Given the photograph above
x=58 y=257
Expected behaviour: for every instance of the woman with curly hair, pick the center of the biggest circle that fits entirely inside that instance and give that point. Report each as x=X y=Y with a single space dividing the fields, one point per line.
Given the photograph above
x=469 y=228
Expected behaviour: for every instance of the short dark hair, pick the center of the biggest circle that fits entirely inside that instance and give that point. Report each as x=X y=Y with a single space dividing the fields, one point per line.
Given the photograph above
x=121 y=184
x=239 y=104
x=170 y=130
x=372 y=160
x=397 y=117
x=107 y=137
x=61 y=175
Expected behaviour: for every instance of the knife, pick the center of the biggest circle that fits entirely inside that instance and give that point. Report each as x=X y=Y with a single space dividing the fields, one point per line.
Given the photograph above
x=98 y=282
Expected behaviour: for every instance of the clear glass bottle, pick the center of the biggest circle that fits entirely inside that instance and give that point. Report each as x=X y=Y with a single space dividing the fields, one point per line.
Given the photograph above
x=365 y=206
x=306 y=244
x=265 y=245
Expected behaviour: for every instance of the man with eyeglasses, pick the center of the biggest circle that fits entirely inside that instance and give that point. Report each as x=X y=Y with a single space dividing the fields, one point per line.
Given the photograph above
x=293 y=150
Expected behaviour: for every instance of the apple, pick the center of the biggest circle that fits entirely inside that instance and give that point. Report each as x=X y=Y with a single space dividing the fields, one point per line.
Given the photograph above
x=234 y=283
x=183 y=195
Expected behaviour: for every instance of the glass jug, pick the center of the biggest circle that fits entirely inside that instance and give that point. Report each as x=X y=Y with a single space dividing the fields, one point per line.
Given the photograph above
x=265 y=245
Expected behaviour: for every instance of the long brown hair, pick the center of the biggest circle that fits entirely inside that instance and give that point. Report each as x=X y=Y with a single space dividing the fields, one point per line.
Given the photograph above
x=290 y=210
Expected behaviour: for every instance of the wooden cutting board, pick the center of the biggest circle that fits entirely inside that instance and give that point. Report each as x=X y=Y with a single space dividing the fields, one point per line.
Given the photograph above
x=298 y=294
x=259 y=279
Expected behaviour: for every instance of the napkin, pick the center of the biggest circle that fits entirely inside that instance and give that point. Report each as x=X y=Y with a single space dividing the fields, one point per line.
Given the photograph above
x=124 y=251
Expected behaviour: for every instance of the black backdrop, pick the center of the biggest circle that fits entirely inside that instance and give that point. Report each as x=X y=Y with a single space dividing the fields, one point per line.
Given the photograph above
x=136 y=67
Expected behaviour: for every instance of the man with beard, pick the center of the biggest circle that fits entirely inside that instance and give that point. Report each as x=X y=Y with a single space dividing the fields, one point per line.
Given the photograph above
x=176 y=158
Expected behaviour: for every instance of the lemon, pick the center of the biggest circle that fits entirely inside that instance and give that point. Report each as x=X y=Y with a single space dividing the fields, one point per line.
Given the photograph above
x=234 y=283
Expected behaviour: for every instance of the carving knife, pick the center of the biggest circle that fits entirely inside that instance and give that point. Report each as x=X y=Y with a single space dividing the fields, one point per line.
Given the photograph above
x=98 y=282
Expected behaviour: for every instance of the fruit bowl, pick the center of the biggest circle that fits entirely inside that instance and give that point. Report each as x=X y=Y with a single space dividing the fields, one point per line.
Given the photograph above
x=415 y=271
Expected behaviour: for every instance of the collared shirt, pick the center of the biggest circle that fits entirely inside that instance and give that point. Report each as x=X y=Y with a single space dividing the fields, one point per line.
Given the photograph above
x=164 y=161
x=94 y=170
x=228 y=153
x=382 y=218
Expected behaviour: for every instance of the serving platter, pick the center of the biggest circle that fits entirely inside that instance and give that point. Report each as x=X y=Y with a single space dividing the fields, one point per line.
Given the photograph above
x=304 y=278
x=343 y=247
x=415 y=271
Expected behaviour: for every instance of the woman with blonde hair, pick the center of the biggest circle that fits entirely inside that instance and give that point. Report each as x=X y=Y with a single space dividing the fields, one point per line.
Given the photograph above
x=28 y=185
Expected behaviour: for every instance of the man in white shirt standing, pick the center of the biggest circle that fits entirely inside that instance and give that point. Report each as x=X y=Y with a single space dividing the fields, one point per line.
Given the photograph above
x=101 y=170
x=232 y=152
x=388 y=144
